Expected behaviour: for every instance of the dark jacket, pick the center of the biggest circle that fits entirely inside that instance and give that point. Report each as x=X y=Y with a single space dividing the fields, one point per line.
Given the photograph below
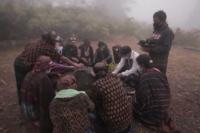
x=162 y=37
x=86 y=51
x=70 y=51
x=103 y=55
x=152 y=98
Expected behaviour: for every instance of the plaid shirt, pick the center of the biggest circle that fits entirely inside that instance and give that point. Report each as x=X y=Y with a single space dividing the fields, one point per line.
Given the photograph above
x=31 y=53
x=112 y=104
x=152 y=98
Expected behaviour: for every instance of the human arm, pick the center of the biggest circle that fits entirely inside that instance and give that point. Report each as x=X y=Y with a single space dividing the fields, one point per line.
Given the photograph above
x=68 y=61
x=134 y=67
x=119 y=66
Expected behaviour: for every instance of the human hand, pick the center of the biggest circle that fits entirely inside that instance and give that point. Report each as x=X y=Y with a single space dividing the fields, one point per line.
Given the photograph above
x=80 y=65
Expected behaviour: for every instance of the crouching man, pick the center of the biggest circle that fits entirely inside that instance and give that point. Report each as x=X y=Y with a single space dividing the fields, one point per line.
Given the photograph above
x=37 y=91
x=69 y=109
x=153 y=98
x=128 y=68
x=113 y=107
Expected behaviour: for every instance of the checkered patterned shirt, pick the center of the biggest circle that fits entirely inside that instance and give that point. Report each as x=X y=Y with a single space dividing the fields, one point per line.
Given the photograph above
x=31 y=53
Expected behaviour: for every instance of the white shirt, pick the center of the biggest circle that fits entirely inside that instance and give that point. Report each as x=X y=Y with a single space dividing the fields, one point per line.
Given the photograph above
x=132 y=70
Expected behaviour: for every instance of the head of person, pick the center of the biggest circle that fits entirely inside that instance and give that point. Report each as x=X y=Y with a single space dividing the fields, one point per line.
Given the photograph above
x=144 y=61
x=125 y=52
x=102 y=45
x=42 y=64
x=86 y=42
x=70 y=42
x=100 y=70
x=44 y=37
x=59 y=44
x=49 y=38
x=159 y=19
x=67 y=81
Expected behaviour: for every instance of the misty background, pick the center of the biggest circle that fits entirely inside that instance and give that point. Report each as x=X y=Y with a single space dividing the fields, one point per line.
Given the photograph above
x=181 y=13
x=98 y=19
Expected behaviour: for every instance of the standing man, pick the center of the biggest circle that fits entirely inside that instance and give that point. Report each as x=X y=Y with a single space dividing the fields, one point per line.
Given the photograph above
x=162 y=39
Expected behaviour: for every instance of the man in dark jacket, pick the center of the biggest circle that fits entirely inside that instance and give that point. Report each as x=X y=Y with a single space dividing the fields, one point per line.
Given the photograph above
x=70 y=51
x=102 y=53
x=86 y=53
x=162 y=39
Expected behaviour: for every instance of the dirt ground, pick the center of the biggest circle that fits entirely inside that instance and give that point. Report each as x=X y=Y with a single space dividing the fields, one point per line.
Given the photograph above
x=183 y=74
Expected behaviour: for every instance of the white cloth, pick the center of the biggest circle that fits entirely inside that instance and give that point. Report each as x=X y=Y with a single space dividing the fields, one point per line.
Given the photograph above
x=132 y=70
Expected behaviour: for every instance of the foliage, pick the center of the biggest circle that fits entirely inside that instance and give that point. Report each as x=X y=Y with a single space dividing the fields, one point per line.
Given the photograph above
x=187 y=38
x=21 y=20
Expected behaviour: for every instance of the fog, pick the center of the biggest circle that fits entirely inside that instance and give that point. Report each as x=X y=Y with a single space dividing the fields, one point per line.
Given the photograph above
x=115 y=9
x=181 y=13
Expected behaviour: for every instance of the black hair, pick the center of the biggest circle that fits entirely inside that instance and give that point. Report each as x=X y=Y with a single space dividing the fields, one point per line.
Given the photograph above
x=125 y=50
x=145 y=60
x=86 y=42
x=48 y=38
x=100 y=69
x=161 y=15
x=101 y=43
x=44 y=36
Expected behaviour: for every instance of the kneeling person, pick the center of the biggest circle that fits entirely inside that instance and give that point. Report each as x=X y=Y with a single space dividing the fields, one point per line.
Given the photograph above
x=69 y=109
x=113 y=107
x=152 y=96
x=128 y=68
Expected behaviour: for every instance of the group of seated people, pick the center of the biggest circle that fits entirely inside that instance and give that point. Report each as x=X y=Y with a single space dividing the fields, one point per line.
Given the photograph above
x=49 y=95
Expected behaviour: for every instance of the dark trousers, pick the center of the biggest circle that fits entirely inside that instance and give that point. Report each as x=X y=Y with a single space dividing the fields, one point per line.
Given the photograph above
x=46 y=95
x=20 y=72
x=160 y=62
